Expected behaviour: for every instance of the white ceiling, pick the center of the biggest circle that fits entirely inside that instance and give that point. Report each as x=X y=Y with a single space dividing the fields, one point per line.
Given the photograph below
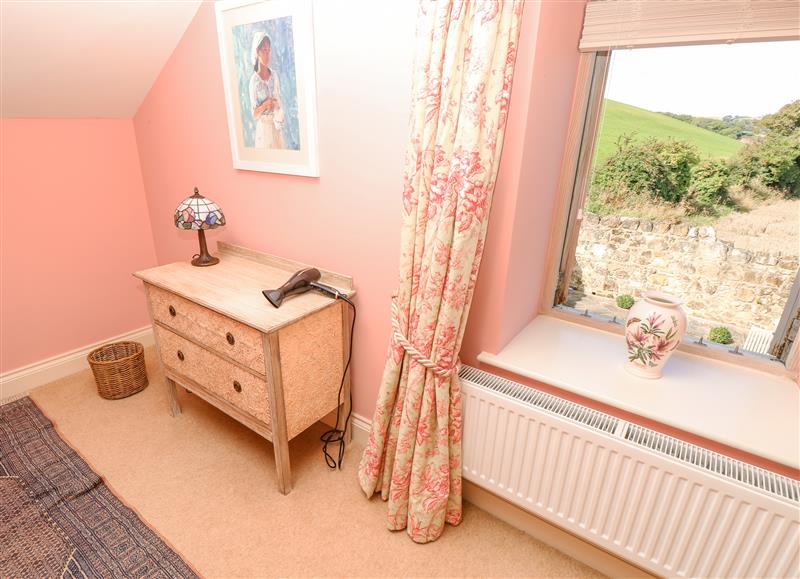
x=85 y=59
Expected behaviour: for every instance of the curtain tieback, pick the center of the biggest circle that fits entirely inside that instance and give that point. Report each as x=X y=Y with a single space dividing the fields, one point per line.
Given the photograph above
x=399 y=338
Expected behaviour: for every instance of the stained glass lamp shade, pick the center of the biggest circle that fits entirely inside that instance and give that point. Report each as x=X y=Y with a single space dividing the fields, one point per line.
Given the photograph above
x=197 y=212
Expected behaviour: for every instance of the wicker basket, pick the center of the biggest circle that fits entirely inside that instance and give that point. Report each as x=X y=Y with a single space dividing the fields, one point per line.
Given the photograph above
x=118 y=369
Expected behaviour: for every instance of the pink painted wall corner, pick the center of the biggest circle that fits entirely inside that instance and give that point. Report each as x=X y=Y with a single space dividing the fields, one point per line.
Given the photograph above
x=74 y=227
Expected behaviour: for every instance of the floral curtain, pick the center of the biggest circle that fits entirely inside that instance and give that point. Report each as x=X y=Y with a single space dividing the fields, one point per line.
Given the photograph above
x=463 y=67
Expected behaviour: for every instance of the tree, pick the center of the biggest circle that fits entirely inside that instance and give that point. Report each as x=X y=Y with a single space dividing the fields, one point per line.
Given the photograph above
x=775 y=160
x=709 y=186
x=732 y=126
x=785 y=122
x=661 y=168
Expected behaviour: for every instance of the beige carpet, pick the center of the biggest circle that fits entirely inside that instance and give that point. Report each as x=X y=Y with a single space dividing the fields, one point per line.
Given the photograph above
x=207 y=485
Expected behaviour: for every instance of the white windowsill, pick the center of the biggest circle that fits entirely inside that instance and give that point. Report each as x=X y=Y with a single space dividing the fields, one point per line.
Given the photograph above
x=743 y=408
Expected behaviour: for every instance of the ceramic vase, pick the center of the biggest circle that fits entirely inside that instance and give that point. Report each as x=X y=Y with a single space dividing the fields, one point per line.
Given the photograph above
x=654 y=328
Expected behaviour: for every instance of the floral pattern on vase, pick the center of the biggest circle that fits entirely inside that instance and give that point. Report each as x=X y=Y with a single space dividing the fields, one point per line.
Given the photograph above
x=463 y=66
x=655 y=327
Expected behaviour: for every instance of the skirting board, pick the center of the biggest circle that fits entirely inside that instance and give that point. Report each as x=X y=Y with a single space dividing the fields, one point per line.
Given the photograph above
x=22 y=380
x=359 y=427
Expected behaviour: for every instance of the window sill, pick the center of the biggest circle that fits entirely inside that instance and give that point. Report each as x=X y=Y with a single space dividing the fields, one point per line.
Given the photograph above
x=753 y=411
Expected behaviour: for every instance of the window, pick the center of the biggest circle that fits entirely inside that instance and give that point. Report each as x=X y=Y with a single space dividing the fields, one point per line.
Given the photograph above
x=682 y=173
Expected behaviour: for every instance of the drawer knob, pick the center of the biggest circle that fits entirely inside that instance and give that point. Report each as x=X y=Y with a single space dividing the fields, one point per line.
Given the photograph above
x=180 y=356
x=230 y=338
x=172 y=311
x=237 y=386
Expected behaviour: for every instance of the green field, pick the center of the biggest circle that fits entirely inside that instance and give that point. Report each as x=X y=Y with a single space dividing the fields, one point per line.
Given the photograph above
x=619 y=118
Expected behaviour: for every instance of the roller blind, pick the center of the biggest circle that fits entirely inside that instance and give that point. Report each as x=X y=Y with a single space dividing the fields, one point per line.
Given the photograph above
x=611 y=24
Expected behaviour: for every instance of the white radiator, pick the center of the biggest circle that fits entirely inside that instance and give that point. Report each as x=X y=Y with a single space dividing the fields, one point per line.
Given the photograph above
x=758 y=340
x=670 y=507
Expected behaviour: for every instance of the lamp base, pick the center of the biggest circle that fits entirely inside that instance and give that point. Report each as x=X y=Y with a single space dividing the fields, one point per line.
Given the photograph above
x=204 y=259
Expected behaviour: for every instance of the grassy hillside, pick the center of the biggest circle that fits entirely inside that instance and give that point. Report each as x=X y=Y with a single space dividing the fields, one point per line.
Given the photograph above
x=619 y=118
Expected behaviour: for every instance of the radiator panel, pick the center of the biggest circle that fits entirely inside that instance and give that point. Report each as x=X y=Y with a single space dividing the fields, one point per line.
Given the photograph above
x=667 y=506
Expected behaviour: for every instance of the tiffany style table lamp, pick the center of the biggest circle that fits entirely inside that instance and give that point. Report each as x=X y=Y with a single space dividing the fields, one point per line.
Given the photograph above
x=197 y=212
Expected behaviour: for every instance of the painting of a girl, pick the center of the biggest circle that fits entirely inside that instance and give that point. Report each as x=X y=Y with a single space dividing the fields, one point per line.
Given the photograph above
x=265 y=96
x=267 y=84
x=267 y=57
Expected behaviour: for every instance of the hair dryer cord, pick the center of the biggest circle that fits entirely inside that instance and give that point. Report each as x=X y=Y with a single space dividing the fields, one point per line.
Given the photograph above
x=337 y=434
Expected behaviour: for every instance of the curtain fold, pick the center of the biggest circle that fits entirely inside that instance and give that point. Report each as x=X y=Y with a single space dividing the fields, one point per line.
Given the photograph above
x=463 y=67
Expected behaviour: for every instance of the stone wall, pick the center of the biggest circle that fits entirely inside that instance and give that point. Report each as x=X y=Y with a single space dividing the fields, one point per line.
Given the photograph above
x=718 y=282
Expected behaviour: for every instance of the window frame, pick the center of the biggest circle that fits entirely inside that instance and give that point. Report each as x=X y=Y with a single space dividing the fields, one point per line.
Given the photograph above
x=585 y=115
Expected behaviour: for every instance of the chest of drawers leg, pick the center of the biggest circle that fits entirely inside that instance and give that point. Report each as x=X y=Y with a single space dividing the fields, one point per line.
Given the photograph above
x=172 y=393
x=280 y=438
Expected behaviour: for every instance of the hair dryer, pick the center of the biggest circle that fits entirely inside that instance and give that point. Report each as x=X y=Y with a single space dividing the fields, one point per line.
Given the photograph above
x=299 y=283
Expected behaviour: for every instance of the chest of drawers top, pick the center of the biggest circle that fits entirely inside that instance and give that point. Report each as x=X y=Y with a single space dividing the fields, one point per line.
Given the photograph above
x=233 y=286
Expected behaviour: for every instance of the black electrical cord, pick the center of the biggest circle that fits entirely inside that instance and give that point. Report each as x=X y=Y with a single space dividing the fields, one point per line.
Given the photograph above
x=336 y=434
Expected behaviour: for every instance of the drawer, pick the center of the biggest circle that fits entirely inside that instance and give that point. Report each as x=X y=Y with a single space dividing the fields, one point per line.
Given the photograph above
x=237 y=386
x=215 y=331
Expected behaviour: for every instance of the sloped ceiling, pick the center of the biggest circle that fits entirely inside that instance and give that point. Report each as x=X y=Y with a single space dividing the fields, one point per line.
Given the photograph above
x=85 y=59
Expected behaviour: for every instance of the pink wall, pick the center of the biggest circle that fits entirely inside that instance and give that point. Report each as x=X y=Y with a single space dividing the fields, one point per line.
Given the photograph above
x=84 y=181
x=364 y=54
x=507 y=296
x=74 y=226
x=348 y=220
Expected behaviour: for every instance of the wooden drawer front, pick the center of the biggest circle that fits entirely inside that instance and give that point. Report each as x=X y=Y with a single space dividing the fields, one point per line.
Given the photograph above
x=209 y=328
x=234 y=384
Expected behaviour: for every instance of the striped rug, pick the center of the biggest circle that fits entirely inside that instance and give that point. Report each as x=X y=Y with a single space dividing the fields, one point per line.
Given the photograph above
x=58 y=518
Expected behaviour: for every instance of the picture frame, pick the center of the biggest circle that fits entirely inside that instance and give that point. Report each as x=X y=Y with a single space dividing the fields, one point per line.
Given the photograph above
x=267 y=57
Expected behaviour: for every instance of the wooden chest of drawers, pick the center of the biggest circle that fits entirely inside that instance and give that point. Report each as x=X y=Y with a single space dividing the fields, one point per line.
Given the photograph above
x=277 y=371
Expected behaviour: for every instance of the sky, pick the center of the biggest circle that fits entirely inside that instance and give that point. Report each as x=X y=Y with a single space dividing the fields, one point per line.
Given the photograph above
x=747 y=79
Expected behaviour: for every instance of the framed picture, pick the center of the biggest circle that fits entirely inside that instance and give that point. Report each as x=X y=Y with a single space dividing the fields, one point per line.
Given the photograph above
x=267 y=53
